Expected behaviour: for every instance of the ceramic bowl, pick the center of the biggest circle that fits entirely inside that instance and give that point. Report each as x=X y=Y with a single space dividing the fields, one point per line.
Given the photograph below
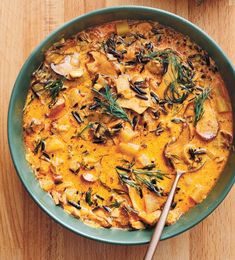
x=18 y=97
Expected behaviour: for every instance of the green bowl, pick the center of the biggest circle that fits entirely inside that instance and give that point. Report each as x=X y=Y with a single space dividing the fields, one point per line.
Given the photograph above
x=17 y=102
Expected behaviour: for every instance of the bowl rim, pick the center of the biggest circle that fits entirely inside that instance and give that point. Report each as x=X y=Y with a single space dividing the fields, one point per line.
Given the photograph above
x=204 y=214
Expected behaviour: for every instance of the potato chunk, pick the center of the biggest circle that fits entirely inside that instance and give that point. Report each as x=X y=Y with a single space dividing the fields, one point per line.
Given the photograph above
x=54 y=144
x=129 y=148
x=127 y=134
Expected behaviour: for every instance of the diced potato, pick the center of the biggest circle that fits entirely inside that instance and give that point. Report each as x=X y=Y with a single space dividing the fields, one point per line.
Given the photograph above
x=127 y=134
x=199 y=193
x=54 y=144
x=129 y=148
x=102 y=81
x=115 y=213
x=46 y=184
x=122 y=28
x=100 y=212
x=123 y=86
x=64 y=185
x=143 y=159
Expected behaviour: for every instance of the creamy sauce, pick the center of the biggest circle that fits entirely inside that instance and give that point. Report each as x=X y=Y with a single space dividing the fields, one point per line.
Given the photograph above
x=115 y=111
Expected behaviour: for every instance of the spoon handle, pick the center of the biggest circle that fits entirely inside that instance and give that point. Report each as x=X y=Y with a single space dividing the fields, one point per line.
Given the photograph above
x=161 y=222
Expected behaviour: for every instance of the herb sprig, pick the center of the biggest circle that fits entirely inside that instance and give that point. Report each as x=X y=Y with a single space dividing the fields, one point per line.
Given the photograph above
x=198 y=104
x=147 y=176
x=110 y=105
x=54 y=88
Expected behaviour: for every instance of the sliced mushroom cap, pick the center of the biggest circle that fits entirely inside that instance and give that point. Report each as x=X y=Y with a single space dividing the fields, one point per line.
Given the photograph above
x=208 y=126
x=151 y=201
x=101 y=64
x=89 y=177
x=174 y=150
x=136 y=104
x=69 y=67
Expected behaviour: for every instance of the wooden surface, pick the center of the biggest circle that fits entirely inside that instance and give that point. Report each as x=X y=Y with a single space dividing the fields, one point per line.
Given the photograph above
x=28 y=233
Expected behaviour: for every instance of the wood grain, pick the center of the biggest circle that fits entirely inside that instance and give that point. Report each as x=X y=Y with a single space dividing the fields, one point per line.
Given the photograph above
x=25 y=231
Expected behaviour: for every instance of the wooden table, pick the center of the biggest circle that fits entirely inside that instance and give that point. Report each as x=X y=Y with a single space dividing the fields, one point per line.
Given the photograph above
x=28 y=233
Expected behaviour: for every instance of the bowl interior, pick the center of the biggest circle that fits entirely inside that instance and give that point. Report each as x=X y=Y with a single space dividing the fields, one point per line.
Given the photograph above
x=19 y=94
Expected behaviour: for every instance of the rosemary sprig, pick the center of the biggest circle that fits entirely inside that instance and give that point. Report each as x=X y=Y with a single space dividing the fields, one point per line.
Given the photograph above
x=198 y=104
x=110 y=104
x=151 y=173
x=54 y=88
x=125 y=178
x=150 y=178
x=149 y=185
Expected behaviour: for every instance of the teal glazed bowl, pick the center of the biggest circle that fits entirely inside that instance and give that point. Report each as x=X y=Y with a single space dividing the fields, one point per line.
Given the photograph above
x=15 y=133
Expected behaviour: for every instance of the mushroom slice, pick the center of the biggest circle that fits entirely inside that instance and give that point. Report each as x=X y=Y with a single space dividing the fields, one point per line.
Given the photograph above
x=168 y=77
x=151 y=201
x=136 y=200
x=68 y=67
x=227 y=138
x=136 y=104
x=174 y=150
x=150 y=218
x=207 y=128
x=89 y=177
x=101 y=64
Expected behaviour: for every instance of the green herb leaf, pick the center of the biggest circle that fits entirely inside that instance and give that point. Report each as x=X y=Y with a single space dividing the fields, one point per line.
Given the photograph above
x=88 y=197
x=110 y=104
x=149 y=180
x=54 y=88
x=198 y=104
